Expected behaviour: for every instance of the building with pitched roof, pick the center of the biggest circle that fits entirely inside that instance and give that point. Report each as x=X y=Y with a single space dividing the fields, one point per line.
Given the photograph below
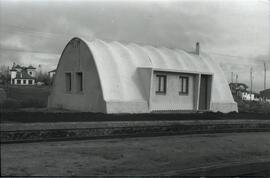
x=112 y=77
x=21 y=75
x=265 y=93
x=52 y=73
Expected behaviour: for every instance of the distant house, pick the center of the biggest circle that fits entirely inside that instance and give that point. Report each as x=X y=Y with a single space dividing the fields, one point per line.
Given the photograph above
x=241 y=90
x=238 y=88
x=247 y=96
x=21 y=75
x=266 y=95
x=52 y=73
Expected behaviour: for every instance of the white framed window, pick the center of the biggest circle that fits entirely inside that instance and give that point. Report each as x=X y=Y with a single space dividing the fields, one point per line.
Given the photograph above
x=183 y=85
x=161 y=84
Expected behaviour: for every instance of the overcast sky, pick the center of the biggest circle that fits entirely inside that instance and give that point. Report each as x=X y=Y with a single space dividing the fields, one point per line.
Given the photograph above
x=235 y=33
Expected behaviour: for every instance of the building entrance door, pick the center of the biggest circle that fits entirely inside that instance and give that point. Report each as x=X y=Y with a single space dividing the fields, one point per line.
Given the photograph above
x=204 y=93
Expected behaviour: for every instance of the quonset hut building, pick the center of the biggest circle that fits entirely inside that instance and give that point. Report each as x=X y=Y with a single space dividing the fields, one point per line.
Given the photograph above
x=98 y=76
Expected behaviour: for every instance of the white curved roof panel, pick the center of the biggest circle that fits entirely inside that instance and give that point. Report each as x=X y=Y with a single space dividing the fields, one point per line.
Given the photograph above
x=117 y=64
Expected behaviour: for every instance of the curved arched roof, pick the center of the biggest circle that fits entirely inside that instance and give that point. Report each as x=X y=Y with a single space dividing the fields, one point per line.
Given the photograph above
x=117 y=66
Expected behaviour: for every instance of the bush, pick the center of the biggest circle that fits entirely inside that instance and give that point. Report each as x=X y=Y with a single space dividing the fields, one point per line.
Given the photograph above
x=11 y=104
x=33 y=103
x=26 y=97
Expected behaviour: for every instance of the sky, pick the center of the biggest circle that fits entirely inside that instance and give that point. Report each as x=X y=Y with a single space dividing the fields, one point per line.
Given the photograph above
x=236 y=33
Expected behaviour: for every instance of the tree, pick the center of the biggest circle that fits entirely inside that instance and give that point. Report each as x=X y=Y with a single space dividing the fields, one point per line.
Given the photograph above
x=4 y=70
x=43 y=77
x=4 y=74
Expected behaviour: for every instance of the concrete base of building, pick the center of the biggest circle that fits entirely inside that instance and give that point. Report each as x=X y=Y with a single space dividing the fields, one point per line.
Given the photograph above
x=224 y=107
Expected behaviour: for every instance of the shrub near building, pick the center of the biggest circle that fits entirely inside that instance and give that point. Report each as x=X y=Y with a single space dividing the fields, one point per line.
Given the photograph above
x=26 y=97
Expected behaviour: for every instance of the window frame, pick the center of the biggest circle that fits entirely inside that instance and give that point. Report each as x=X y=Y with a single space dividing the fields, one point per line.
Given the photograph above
x=30 y=82
x=181 y=80
x=68 y=89
x=159 y=78
x=79 y=84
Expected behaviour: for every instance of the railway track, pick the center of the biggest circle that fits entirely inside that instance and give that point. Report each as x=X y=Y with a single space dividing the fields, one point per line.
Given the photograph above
x=28 y=136
x=247 y=168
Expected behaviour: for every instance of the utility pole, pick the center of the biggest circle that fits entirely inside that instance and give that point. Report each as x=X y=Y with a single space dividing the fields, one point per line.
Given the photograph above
x=236 y=78
x=232 y=77
x=251 y=77
x=250 y=82
x=264 y=75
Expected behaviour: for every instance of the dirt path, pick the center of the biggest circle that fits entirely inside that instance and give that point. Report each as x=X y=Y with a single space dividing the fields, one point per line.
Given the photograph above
x=133 y=156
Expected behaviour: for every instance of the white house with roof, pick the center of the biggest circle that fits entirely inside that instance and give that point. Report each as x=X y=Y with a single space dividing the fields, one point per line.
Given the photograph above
x=21 y=75
x=52 y=73
x=112 y=77
x=247 y=96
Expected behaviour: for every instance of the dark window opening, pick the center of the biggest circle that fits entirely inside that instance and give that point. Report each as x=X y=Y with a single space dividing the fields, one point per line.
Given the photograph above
x=18 y=81
x=30 y=82
x=79 y=79
x=24 y=81
x=183 y=85
x=68 y=82
x=161 y=84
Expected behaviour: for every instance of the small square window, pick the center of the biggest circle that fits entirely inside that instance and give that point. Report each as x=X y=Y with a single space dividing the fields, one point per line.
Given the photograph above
x=183 y=83
x=79 y=79
x=18 y=81
x=161 y=84
x=30 y=82
x=68 y=82
x=24 y=81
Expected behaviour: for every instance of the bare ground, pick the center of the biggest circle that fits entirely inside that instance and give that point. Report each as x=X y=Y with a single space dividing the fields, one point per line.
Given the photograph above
x=105 y=124
x=168 y=155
